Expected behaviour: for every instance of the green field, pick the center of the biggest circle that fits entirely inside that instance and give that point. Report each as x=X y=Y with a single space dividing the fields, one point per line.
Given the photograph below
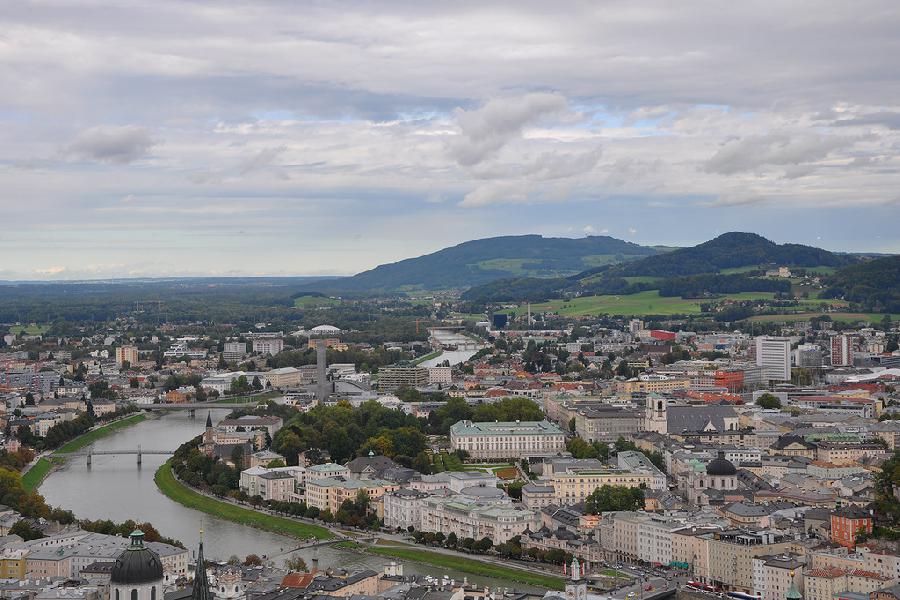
x=35 y=475
x=644 y=303
x=473 y=567
x=739 y=270
x=32 y=329
x=175 y=490
x=95 y=434
x=315 y=302
x=642 y=279
x=820 y=270
x=429 y=356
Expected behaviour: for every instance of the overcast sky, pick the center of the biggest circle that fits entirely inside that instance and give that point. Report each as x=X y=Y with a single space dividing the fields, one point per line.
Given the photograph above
x=164 y=138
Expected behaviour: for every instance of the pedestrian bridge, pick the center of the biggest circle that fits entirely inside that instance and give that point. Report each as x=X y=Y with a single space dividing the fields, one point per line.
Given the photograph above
x=139 y=452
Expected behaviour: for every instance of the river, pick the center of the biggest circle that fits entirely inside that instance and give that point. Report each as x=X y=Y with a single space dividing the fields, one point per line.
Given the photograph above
x=114 y=487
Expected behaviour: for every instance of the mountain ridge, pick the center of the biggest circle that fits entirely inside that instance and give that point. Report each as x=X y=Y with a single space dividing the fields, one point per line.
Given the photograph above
x=484 y=260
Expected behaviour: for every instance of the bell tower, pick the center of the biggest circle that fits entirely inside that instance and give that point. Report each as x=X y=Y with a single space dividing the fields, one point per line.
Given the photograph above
x=655 y=417
x=576 y=587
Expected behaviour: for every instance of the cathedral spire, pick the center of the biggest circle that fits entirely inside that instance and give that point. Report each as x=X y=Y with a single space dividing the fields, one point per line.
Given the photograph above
x=200 y=589
x=209 y=420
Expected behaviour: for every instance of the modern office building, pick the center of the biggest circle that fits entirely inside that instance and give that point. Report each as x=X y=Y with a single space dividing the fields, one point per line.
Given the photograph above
x=773 y=354
x=391 y=378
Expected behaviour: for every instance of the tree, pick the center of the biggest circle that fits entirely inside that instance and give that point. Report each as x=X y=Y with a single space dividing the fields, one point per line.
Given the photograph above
x=612 y=498
x=295 y=563
x=257 y=384
x=252 y=560
x=25 y=530
x=768 y=401
x=572 y=424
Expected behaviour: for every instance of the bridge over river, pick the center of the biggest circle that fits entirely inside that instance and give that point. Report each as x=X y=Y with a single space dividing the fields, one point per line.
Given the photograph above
x=139 y=452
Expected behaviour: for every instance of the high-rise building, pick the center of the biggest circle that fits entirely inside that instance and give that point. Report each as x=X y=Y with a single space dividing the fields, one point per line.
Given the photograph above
x=842 y=351
x=234 y=351
x=773 y=354
x=321 y=370
x=268 y=345
x=127 y=354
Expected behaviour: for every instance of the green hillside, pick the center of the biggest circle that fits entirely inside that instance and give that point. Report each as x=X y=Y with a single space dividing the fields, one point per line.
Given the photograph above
x=482 y=261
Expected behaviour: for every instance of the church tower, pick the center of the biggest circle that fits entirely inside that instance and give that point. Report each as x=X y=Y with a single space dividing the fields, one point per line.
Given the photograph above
x=576 y=587
x=655 y=417
x=200 y=588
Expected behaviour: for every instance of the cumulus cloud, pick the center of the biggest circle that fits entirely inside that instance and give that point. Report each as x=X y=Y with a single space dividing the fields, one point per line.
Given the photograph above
x=112 y=144
x=486 y=130
x=774 y=149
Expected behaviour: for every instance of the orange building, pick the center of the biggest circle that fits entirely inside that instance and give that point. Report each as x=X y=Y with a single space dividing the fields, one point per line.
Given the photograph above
x=847 y=522
x=730 y=380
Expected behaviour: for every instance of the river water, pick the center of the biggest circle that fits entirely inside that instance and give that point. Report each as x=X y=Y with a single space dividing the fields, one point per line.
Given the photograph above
x=114 y=487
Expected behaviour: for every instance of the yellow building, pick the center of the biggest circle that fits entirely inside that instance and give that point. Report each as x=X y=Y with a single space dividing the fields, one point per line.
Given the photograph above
x=12 y=564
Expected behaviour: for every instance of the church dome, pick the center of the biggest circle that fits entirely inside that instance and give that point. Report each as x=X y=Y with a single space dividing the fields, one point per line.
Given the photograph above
x=719 y=466
x=137 y=564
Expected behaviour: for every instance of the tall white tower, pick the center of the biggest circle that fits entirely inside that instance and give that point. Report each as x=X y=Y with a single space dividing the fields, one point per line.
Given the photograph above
x=655 y=417
x=576 y=587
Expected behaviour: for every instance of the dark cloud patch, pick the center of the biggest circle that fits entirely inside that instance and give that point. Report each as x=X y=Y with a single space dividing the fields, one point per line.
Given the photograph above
x=774 y=149
x=888 y=119
x=112 y=144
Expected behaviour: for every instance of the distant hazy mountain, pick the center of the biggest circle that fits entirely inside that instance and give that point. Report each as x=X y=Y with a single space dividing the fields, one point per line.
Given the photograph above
x=481 y=261
x=697 y=269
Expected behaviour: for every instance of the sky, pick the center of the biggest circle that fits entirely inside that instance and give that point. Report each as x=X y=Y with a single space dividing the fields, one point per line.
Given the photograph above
x=304 y=138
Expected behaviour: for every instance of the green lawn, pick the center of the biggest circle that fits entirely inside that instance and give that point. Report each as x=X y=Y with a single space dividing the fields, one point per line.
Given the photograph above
x=446 y=462
x=315 y=302
x=95 y=434
x=31 y=329
x=467 y=565
x=175 y=490
x=422 y=359
x=614 y=573
x=35 y=475
x=643 y=303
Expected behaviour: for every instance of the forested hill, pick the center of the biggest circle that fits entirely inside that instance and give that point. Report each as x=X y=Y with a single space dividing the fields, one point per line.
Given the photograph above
x=729 y=251
x=874 y=284
x=481 y=261
x=707 y=268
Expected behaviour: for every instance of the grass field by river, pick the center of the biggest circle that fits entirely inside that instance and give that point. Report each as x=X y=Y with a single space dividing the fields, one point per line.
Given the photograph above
x=95 y=434
x=35 y=475
x=177 y=491
x=468 y=565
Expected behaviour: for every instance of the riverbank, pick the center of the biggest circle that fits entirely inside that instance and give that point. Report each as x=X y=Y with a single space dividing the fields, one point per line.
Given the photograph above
x=35 y=475
x=184 y=495
x=430 y=356
x=89 y=437
x=469 y=565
